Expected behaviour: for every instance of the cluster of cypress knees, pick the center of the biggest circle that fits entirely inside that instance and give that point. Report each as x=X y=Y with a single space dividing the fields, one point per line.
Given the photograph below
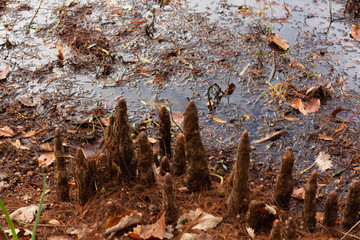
x=116 y=160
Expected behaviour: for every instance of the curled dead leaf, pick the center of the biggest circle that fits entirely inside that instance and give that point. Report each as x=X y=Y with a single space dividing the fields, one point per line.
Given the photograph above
x=218 y=119
x=278 y=41
x=6 y=132
x=355 y=31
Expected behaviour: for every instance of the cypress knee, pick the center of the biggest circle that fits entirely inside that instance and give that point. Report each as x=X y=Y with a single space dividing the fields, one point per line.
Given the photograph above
x=179 y=162
x=164 y=165
x=290 y=228
x=352 y=206
x=275 y=233
x=62 y=186
x=118 y=145
x=103 y=170
x=146 y=173
x=240 y=196
x=168 y=199
x=331 y=209
x=197 y=173
x=164 y=131
x=82 y=178
x=309 y=211
x=284 y=186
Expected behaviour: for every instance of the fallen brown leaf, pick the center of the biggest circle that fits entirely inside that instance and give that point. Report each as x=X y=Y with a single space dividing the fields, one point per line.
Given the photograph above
x=6 y=132
x=4 y=73
x=277 y=40
x=355 y=31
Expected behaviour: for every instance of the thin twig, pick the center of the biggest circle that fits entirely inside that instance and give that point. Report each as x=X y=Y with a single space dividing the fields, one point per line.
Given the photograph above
x=36 y=12
x=347 y=233
x=304 y=171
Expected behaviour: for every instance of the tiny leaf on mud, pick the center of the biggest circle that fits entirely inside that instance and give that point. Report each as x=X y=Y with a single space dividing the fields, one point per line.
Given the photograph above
x=326 y=138
x=46 y=159
x=6 y=132
x=251 y=232
x=26 y=101
x=299 y=193
x=323 y=161
x=355 y=32
x=218 y=119
x=60 y=49
x=4 y=73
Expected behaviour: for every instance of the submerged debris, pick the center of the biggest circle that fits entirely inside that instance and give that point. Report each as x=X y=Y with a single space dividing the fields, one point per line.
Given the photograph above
x=240 y=195
x=197 y=173
x=62 y=186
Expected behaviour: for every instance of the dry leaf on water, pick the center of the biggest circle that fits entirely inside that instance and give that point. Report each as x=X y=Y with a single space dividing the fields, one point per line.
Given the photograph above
x=6 y=132
x=323 y=161
x=4 y=73
x=178 y=118
x=277 y=40
x=313 y=105
x=218 y=119
x=355 y=32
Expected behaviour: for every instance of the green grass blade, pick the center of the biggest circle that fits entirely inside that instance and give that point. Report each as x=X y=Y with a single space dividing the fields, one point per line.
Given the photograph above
x=40 y=207
x=2 y=229
x=11 y=225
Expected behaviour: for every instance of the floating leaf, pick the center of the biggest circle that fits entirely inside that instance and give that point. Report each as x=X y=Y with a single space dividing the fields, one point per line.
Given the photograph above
x=177 y=117
x=6 y=132
x=313 y=105
x=308 y=107
x=218 y=119
x=323 y=161
x=278 y=41
x=4 y=73
x=355 y=32
x=291 y=118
